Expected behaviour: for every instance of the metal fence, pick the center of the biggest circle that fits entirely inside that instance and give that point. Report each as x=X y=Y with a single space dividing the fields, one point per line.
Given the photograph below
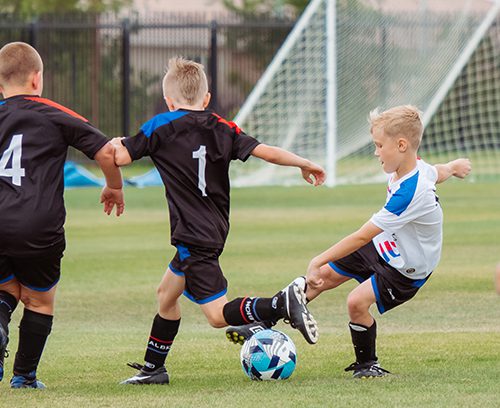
x=109 y=69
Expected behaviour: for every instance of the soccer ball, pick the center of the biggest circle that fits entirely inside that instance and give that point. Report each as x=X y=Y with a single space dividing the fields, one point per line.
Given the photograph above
x=268 y=355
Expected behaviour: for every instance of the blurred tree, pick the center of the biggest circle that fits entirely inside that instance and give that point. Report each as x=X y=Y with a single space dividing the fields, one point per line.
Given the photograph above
x=31 y=8
x=274 y=8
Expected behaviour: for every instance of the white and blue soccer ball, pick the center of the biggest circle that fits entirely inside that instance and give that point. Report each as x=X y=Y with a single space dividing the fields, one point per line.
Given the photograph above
x=268 y=355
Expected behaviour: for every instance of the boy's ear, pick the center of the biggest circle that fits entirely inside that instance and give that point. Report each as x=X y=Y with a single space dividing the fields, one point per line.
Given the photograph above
x=402 y=145
x=170 y=104
x=206 y=100
x=37 y=81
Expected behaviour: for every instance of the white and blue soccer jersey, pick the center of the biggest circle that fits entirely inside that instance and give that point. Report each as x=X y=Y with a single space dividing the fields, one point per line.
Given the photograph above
x=412 y=222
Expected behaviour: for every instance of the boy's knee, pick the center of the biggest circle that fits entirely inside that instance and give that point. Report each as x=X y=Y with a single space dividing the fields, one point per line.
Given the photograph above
x=216 y=320
x=355 y=304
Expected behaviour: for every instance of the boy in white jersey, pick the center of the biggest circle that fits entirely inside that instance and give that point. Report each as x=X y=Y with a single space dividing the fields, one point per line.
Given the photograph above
x=393 y=254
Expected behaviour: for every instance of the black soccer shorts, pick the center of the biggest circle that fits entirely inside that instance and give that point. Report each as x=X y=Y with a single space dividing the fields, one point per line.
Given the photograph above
x=205 y=281
x=390 y=286
x=40 y=272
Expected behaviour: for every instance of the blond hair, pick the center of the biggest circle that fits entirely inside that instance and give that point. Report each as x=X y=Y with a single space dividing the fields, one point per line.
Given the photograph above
x=18 y=61
x=185 y=81
x=403 y=121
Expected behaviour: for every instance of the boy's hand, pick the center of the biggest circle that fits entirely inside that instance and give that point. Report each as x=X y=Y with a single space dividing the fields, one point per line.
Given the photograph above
x=313 y=276
x=116 y=141
x=113 y=197
x=461 y=167
x=314 y=170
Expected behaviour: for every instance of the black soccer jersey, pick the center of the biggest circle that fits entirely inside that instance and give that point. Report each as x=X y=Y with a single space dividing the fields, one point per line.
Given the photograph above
x=34 y=137
x=192 y=151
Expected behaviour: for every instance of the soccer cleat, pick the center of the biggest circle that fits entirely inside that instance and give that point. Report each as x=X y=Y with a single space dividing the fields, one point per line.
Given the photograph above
x=158 y=376
x=26 y=381
x=296 y=312
x=239 y=334
x=3 y=349
x=367 y=370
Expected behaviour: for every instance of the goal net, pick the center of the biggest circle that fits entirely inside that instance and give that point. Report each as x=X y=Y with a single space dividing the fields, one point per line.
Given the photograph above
x=344 y=58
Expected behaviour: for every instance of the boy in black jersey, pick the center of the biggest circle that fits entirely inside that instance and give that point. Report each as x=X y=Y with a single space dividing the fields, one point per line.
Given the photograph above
x=35 y=134
x=192 y=149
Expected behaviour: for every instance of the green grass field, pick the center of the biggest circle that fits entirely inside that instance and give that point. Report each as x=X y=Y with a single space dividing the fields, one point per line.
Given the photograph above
x=443 y=346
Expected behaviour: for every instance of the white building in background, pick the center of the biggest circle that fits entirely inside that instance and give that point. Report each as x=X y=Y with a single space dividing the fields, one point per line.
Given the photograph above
x=217 y=6
x=150 y=7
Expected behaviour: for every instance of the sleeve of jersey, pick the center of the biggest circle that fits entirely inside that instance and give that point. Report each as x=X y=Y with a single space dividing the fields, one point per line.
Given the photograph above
x=243 y=146
x=397 y=212
x=80 y=134
x=140 y=145
x=428 y=170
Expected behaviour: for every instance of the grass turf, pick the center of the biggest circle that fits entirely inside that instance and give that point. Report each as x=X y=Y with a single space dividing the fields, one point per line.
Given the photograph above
x=443 y=346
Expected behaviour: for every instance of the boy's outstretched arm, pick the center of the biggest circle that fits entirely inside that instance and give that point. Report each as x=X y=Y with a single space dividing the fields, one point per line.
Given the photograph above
x=341 y=249
x=122 y=156
x=459 y=168
x=112 y=193
x=311 y=172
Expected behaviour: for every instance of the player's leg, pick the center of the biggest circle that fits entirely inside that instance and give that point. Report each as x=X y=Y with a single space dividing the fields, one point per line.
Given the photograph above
x=9 y=297
x=163 y=331
x=363 y=330
x=34 y=329
x=38 y=278
x=288 y=304
x=331 y=279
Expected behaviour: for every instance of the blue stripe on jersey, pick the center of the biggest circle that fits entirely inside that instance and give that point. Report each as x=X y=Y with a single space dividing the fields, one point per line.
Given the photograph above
x=360 y=279
x=183 y=252
x=159 y=120
x=206 y=300
x=175 y=271
x=380 y=306
x=2 y=103
x=39 y=289
x=401 y=199
x=419 y=282
x=8 y=278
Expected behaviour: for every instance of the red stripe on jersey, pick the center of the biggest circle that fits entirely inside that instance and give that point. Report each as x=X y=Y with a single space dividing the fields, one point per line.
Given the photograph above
x=232 y=125
x=46 y=101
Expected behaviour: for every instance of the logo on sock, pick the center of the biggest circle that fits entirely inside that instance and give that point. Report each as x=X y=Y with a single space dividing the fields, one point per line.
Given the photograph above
x=248 y=310
x=274 y=303
x=160 y=346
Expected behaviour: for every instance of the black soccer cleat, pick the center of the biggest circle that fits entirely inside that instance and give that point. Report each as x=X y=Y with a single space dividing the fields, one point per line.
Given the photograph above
x=239 y=334
x=296 y=312
x=158 y=376
x=369 y=369
x=4 y=339
x=26 y=381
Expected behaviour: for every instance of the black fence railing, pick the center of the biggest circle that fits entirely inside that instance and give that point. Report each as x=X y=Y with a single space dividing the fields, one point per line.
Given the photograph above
x=109 y=69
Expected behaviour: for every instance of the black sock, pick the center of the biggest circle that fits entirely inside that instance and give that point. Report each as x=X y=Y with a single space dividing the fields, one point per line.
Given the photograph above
x=160 y=341
x=33 y=332
x=363 y=339
x=8 y=304
x=247 y=310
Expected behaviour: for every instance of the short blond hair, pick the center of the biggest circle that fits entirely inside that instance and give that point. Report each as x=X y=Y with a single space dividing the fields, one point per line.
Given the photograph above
x=185 y=81
x=401 y=121
x=18 y=61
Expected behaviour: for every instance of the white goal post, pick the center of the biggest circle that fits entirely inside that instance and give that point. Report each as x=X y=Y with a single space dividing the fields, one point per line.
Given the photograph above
x=344 y=58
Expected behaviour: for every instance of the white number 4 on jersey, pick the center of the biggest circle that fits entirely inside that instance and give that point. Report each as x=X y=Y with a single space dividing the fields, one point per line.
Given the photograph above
x=15 y=151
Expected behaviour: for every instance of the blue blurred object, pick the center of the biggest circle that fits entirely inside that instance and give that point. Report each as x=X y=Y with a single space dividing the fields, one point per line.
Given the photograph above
x=78 y=176
x=149 y=179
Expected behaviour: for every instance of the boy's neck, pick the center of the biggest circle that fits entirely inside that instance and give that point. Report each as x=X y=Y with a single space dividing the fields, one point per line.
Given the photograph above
x=190 y=107
x=10 y=92
x=406 y=167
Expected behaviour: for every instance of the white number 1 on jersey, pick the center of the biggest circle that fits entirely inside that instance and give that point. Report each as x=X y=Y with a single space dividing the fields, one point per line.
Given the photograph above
x=201 y=155
x=15 y=151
